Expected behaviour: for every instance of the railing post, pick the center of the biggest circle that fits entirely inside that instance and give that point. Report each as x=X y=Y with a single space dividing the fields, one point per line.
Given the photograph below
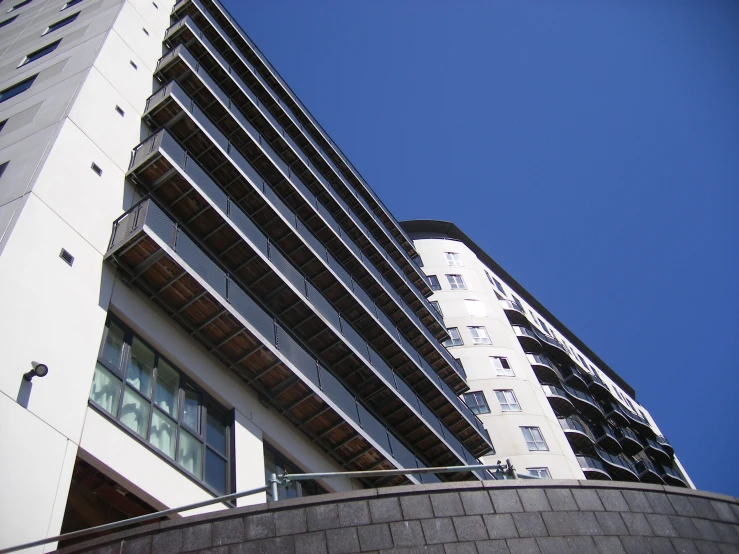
x=273 y=483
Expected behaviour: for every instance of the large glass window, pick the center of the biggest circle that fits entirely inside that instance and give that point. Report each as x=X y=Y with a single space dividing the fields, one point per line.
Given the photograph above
x=534 y=439
x=157 y=404
x=452 y=258
x=434 y=282
x=508 y=401
x=456 y=282
x=455 y=339
x=476 y=402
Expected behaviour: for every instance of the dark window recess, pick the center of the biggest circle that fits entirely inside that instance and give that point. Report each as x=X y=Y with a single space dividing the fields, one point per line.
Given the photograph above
x=155 y=5
x=3 y=167
x=276 y=463
x=70 y=4
x=134 y=65
x=20 y=5
x=120 y=111
x=96 y=168
x=2 y=124
x=145 y=31
x=160 y=407
x=17 y=89
x=41 y=52
x=7 y=21
x=66 y=256
x=59 y=24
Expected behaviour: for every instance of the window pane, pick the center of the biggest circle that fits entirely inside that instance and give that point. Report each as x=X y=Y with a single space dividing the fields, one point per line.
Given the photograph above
x=190 y=454
x=190 y=410
x=215 y=471
x=135 y=412
x=167 y=388
x=163 y=433
x=140 y=367
x=215 y=434
x=113 y=346
x=105 y=390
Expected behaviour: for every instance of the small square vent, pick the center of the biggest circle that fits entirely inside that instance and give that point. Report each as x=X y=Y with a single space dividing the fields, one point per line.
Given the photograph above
x=66 y=256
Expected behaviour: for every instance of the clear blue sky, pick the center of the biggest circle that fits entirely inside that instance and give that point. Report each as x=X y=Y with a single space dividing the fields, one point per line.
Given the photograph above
x=591 y=148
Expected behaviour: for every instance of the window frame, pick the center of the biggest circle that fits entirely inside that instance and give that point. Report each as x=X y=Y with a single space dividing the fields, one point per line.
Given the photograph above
x=61 y=23
x=501 y=371
x=533 y=440
x=3 y=167
x=14 y=89
x=452 y=341
x=434 y=283
x=508 y=400
x=8 y=21
x=40 y=53
x=454 y=281
x=206 y=403
x=536 y=471
x=69 y=4
x=474 y=330
x=437 y=307
x=19 y=5
x=478 y=407
x=453 y=259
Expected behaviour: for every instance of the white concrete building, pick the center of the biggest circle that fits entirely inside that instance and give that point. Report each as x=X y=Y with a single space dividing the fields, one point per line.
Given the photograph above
x=230 y=299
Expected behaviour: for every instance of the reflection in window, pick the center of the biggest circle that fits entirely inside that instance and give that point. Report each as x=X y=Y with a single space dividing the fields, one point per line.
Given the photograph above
x=148 y=396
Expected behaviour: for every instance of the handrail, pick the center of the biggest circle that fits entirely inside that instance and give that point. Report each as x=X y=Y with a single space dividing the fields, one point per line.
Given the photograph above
x=504 y=471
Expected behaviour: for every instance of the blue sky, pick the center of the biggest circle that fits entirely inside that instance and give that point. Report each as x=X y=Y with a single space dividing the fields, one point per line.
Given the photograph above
x=591 y=148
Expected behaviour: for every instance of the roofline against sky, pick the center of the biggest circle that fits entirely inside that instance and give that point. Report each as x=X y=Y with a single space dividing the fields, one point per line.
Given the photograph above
x=445 y=229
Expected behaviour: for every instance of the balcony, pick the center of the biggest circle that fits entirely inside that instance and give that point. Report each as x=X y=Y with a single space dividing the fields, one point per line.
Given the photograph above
x=515 y=312
x=298 y=290
x=606 y=438
x=598 y=387
x=673 y=477
x=573 y=377
x=218 y=31
x=629 y=440
x=656 y=452
x=585 y=404
x=618 y=466
x=158 y=256
x=527 y=338
x=546 y=371
x=593 y=468
x=555 y=348
x=640 y=423
x=559 y=400
x=615 y=413
x=578 y=434
x=647 y=471
x=294 y=210
x=665 y=444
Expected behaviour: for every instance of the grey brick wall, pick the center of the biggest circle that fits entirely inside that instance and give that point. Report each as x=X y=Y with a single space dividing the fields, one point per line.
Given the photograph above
x=511 y=517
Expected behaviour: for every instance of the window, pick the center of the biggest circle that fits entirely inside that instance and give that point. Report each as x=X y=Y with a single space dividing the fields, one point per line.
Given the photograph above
x=582 y=360
x=155 y=5
x=145 y=31
x=7 y=21
x=475 y=308
x=120 y=111
x=70 y=4
x=455 y=339
x=25 y=3
x=2 y=124
x=456 y=282
x=543 y=326
x=17 y=89
x=275 y=462
x=541 y=472
x=495 y=282
x=501 y=366
x=146 y=395
x=3 y=167
x=479 y=335
x=96 y=168
x=133 y=65
x=40 y=53
x=434 y=282
x=452 y=258
x=508 y=402
x=476 y=402
x=59 y=24
x=435 y=304
x=534 y=439
x=66 y=256
x=517 y=302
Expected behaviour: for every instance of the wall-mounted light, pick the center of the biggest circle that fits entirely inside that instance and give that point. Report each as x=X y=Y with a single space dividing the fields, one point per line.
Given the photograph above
x=39 y=370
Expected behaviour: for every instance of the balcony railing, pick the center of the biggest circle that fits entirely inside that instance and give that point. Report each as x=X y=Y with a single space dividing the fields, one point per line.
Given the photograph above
x=593 y=468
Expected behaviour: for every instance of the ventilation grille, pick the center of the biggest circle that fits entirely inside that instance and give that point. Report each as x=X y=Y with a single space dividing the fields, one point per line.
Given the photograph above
x=66 y=256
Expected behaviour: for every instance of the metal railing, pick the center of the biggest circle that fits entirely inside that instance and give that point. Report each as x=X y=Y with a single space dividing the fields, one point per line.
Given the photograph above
x=502 y=471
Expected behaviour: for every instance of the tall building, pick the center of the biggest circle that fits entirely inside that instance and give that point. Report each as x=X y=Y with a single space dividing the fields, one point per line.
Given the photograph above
x=197 y=288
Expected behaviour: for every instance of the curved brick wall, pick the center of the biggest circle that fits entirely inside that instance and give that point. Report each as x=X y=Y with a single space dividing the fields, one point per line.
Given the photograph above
x=461 y=518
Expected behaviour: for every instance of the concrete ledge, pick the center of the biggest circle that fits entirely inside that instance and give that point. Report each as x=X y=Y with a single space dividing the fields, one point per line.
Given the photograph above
x=537 y=516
